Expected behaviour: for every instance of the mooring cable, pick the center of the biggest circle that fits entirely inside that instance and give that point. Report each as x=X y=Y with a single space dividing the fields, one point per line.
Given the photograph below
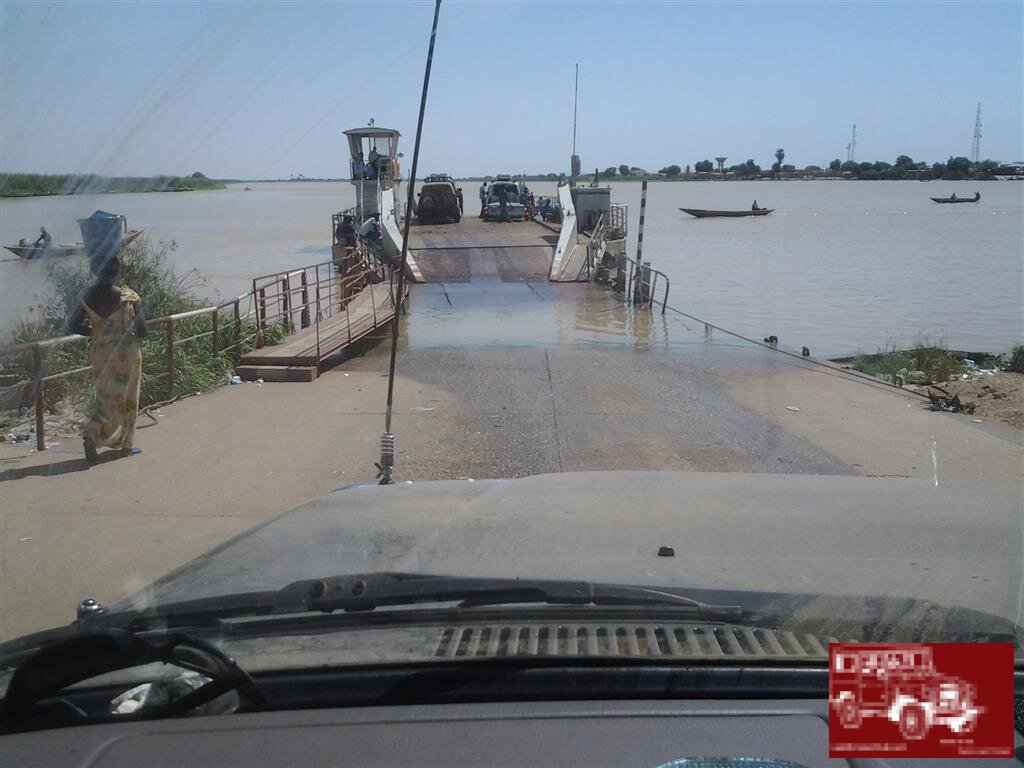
x=387 y=440
x=853 y=374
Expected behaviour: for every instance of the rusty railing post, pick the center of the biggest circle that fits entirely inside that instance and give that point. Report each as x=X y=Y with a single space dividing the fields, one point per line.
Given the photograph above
x=169 y=356
x=373 y=303
x=304 y=317
x=238 y=329
x=286 y=304
x=216 y=334
x=40 y=436
x=319 y=307
x=261 y=319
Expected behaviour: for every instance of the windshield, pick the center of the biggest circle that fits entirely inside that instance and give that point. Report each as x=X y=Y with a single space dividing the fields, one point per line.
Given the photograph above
x=769 y=356
x=510 y=191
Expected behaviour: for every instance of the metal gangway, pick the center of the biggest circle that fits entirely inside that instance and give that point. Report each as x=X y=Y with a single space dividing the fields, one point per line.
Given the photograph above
x=315 y=315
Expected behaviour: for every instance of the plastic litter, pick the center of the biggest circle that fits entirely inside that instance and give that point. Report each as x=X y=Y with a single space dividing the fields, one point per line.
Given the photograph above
x=235 y=380
x=976 y=421
x=792 y=408
x=970 y=363
x=259 y=381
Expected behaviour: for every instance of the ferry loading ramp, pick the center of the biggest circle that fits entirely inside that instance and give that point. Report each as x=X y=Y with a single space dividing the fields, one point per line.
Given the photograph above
x=476 y=249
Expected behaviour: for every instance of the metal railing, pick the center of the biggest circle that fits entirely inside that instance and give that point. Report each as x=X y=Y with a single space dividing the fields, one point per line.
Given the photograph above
x=640 y=282
x=617 y=218
x=611 y=225
x=168 y=324
x=595 y=249
x=306 y=295
x=315 y=293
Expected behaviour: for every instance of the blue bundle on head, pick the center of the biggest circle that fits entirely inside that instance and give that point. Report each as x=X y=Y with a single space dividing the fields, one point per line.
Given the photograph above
x=101 y=234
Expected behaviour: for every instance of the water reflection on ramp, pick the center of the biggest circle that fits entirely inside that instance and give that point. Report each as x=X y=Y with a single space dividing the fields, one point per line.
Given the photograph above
x=533 y=313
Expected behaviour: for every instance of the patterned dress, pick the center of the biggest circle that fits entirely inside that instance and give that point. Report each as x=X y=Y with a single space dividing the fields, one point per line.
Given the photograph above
x=117 y=367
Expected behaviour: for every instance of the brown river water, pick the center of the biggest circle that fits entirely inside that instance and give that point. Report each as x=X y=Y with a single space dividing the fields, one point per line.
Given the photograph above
x=839 y=267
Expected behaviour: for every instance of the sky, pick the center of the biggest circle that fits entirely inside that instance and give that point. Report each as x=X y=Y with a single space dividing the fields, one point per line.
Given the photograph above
x=252 y=90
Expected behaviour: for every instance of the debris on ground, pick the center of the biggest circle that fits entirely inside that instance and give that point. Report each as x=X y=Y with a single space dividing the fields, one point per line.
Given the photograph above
x=942 y=400
x=996 y=397
x=57 y=428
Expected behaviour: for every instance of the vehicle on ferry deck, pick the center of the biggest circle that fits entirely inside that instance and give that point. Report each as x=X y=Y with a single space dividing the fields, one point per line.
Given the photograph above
x=515 y=210
x=439 y=200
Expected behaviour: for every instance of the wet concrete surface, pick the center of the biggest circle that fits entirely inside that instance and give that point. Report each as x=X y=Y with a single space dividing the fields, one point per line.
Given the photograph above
x=550 y=378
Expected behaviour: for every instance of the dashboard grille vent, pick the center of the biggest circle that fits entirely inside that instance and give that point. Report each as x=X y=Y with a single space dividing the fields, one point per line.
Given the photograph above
x=716 y=641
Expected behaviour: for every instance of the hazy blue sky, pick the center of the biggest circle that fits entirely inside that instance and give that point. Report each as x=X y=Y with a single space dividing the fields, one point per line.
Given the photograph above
x=263 y=90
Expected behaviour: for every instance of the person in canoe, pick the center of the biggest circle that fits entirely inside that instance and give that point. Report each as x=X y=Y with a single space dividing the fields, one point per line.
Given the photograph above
x=111 y=316
x=43 y=241
x=754 y=206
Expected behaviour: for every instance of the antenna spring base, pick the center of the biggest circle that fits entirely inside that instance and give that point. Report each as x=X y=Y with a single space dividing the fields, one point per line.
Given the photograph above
x=387 y=459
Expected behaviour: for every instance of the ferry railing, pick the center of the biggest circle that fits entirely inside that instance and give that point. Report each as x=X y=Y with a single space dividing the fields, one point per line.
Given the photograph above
x=224 y=330
x=640 y=282
x=595 y=246
x=315 y=293
x=611 y=225
x=617 y=218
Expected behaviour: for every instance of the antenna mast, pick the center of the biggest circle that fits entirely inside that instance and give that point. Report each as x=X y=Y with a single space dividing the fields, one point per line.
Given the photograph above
x=575 y=102
x=574 y=162
x=851 y=148
x=976 y=149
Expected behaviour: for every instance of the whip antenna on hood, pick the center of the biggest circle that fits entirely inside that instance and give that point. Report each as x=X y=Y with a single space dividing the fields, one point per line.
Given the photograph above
x=387 y=440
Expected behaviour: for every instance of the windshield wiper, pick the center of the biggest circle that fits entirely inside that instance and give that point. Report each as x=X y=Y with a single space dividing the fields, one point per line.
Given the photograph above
x=367 y=592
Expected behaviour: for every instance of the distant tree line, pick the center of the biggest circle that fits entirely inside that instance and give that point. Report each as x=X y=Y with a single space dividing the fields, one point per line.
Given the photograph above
x=954 y=169
x=29 y=184
x=905 y=167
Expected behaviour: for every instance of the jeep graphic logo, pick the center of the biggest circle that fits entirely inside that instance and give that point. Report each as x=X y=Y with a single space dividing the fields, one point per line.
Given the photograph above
x=921 y=700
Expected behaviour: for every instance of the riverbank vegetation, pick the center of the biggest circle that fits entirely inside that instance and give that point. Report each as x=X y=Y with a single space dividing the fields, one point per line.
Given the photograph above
x=930 y=362
x=904 y=168
x=146 y=269
x=33 y=184
x=922 y=364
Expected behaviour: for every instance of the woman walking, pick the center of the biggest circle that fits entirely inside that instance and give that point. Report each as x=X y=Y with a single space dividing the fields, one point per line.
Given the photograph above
x=111 y=315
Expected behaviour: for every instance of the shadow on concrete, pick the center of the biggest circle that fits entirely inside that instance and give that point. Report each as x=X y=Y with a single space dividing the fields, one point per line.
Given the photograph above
x=59 y=467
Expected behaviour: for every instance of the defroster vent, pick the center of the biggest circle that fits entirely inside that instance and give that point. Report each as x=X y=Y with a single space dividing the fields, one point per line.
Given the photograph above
x=714 y=641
